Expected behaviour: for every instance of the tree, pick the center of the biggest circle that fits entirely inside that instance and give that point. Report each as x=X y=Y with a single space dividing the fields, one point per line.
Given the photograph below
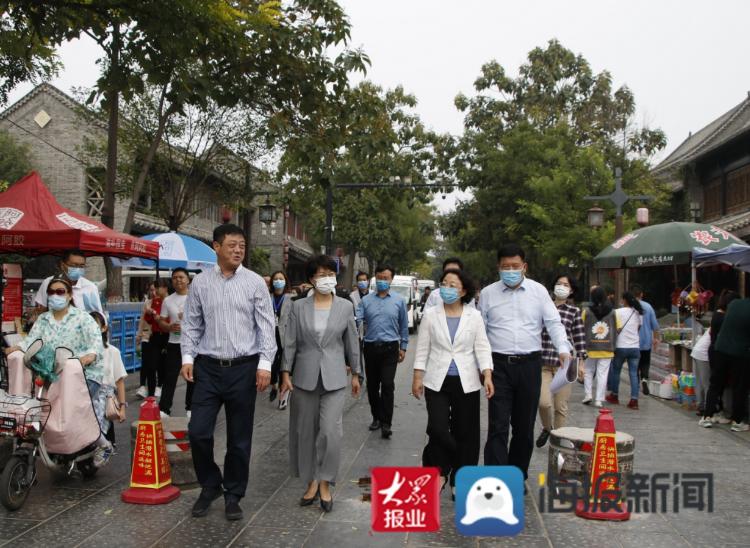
x=370 y=136
x=533 y=147
x=14 y=160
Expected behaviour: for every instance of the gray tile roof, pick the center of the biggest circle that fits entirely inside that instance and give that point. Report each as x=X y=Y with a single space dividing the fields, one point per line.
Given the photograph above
x=726 y=127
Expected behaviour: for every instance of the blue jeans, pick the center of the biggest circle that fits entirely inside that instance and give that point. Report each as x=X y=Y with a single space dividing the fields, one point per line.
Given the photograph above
x=633 y=356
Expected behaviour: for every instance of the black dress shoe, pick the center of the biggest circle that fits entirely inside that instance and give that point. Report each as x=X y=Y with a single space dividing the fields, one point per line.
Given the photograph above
x=307 y=502
x=232 y=510
x=385 y=432
x=201 y=506
x=374 y=425
x=326 y=505
x=644 y=387
x=272 y=395
x=541 y=441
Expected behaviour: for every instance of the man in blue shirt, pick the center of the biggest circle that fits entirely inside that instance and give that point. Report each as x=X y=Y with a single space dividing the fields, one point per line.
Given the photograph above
x=385 y=342
x=646 y=334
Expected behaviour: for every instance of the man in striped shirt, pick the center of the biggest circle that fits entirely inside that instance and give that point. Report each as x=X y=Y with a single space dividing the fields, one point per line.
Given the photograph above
x=228 y=344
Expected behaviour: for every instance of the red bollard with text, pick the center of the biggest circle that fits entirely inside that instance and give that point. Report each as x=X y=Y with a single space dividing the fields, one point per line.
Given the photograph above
x=150 y=477
x=605 y=494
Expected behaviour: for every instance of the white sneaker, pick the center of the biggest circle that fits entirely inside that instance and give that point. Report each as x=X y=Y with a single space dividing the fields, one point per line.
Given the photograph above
x=142 y=392
x=587 y=400
x=706 y=422
x=720 y=419
x=740 y=427
x=164 y=415
x=187 y=414
x=102 y=455
x=157 y=392
x=597 y=403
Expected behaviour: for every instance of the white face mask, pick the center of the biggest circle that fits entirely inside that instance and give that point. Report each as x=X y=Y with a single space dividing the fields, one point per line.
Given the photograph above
x=326 y=284
x=561 y=292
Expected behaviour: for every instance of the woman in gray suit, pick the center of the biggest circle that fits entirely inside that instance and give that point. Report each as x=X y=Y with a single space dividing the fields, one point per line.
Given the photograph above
x=319 y=342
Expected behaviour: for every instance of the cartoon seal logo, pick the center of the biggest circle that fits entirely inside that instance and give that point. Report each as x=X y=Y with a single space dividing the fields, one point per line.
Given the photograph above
x=489 y=498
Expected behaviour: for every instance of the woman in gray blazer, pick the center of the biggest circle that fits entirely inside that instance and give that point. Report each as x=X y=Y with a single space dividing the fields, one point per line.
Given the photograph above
x=282 y=305
x=320 y=340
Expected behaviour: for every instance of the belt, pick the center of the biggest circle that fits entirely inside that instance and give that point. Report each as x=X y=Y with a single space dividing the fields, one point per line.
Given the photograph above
x=381 y=343
x=517 y=358
x=229 y=362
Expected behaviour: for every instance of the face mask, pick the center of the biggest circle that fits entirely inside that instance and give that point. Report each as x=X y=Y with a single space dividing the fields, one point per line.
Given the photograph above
x=449 y=294
x=511 y=278
x=561 y=292
x=56 y=302
x=76 y=272
x=279 y=284
x=382 y=285
x=326 y=284
x=362 y=285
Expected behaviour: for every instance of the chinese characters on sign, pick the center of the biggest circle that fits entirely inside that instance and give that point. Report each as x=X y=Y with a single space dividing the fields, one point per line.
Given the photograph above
x=150 y=464
x=72 y=222
x=625 y=239
x=405 y=499
x=703 y=237
x=12 y=240
x=655 y=260
x=9 y=216
x=644 y=493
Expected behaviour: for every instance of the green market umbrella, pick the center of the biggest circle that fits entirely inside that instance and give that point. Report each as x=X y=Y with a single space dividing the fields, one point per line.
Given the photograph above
x=662 y=245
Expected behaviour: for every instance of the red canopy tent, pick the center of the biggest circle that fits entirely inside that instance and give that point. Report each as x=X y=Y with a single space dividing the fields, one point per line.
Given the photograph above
x=32 y=222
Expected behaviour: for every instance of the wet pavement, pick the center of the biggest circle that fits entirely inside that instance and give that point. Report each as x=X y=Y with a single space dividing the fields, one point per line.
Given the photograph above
x=64 y=511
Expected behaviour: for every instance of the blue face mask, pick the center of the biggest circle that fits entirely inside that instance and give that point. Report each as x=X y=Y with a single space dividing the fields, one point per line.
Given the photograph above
x=279 y=284
x=511 y=278
x=382 y=285
x=56 y=302
x=363 y=285
x=75 y=273
x=449 y=294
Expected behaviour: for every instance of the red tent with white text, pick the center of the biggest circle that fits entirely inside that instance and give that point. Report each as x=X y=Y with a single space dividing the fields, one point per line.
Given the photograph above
x=32 y=222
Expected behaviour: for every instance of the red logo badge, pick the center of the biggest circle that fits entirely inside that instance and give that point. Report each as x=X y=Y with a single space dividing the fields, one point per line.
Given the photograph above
x=405 y=499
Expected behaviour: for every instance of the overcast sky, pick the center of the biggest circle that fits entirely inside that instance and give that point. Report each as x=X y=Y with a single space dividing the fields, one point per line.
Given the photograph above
x=686 y=61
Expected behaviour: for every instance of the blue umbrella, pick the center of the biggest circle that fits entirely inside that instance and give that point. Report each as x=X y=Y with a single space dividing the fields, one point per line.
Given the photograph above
x=736 y=255
x=175 y=250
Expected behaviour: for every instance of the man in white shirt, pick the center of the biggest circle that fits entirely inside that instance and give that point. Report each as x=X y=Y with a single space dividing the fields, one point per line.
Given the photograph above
x=85 y=293
x=515 y=309
x=434 y=299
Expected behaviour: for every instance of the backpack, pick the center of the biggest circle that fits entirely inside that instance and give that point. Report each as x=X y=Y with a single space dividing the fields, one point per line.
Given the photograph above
x=600 y=333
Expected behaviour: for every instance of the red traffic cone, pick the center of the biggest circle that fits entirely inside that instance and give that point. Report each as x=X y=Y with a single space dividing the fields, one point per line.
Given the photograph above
x=605 y=500
x=150 y=477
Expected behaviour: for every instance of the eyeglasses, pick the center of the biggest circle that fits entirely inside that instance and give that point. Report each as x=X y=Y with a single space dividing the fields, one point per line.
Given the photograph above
x=58 y=291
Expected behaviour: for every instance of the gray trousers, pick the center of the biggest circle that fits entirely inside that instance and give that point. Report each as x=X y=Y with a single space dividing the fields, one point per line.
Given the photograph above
x=315 y=433
x=702 y=372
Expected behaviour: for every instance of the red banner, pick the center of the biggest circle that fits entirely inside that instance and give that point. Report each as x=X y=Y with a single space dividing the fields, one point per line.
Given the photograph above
x=150 y=462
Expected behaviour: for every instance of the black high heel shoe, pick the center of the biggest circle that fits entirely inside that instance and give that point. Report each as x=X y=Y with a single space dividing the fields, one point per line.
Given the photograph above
x=326 y=505
x=307 y=502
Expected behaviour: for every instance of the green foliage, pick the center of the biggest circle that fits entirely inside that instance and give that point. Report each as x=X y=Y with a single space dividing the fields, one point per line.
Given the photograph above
x=14 y=160
x=368 y=136
x=533 y=147
x=260 y=261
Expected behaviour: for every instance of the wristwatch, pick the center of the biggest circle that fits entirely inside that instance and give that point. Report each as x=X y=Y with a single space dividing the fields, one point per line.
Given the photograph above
x=123 y=403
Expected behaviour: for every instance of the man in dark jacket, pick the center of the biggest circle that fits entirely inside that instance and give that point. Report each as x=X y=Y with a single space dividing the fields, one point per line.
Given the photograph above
x=734 y=341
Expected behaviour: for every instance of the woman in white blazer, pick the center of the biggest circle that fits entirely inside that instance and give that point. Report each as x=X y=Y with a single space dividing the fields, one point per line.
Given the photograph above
x=453 y=363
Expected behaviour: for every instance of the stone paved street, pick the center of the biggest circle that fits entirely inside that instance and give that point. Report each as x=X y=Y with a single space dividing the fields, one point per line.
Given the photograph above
x=70 y=512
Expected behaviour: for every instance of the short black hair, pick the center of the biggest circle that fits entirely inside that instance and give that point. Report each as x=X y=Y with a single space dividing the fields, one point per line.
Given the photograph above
x=511 y=250
x=636 y=290
x=70 y=252
x=726 y=297
x=360 y=273
x=222 y=231
x=571 y=280
x=453 y=260
x=320 y=261
x=384 y=267
x=180 y=269
x=466 y=282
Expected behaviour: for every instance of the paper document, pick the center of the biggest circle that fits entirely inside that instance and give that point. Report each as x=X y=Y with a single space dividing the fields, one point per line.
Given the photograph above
x=566 y=374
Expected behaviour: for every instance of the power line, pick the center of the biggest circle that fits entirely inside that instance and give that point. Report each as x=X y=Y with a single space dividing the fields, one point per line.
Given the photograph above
x=58 y=149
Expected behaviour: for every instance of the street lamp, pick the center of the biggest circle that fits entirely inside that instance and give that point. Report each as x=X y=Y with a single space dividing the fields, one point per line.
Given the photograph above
x=267 y=213
x=596 y=216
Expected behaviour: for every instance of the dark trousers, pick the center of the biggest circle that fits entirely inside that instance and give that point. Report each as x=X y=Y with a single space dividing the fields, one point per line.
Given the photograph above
x=453 y=427
x=153 y=361
x=172 y=367
x=720 y=365
x=381 y=360
x=740 y=370
x=234 y=388
x=516 y=399
x=644 y=364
